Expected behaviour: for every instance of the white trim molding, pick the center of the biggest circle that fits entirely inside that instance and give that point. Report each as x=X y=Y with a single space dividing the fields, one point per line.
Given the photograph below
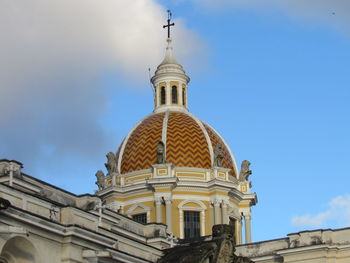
x=201 y=209
x=145 y=209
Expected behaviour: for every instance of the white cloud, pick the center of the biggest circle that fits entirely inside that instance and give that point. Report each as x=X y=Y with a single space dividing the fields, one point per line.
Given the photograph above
x=314 y=221
x=331 y=12
x=337 y=215
x=54 y=55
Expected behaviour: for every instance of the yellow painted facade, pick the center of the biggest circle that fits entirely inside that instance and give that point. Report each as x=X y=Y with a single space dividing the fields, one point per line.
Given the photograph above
x=205 y=197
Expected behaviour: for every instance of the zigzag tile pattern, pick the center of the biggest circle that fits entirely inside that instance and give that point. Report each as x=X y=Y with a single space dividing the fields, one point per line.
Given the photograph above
x=215 y=139
x=141 y=148
x=186 y=145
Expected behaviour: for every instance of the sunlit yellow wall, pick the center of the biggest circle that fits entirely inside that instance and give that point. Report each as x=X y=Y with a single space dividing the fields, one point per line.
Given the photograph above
x=176 y=216
x=128 y=198
x=208 y=219
x=149 y=204
x=163 y=214
x=175 y=203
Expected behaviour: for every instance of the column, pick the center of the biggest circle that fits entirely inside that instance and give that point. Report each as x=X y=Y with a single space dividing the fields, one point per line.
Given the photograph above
x=248 y=235
x=202 y=226
x=217 y=212
x=168 y=93
x=239 y=231
x=168 y=211
x=158 y=201
x=179 y=90
x=157 y=99
x=212 y=216
x=181 y=223
x=224 y=212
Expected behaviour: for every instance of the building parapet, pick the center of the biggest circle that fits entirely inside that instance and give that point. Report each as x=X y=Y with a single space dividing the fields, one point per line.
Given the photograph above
x=274 y=250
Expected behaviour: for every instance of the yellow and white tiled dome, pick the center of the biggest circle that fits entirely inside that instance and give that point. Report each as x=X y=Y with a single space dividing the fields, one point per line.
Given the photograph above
x=189 y=182
x=189 y=142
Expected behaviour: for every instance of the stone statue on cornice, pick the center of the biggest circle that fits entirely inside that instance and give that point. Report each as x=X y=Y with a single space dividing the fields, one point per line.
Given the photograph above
x=100 y=180
x=245 y=172
x=111 y=164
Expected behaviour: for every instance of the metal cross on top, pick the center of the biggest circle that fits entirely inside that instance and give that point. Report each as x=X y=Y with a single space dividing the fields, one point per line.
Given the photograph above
x=169 y=25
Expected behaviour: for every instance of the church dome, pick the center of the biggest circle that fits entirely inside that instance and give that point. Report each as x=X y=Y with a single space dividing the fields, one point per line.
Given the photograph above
x=188 y=141
x=174 y=169
x=185 y=140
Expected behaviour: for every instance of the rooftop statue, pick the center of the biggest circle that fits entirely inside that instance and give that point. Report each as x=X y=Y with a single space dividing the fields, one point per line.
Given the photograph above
x=100 y=177
x=218 y=151
x=245 y=172
x=111 y=164
x=160 y=152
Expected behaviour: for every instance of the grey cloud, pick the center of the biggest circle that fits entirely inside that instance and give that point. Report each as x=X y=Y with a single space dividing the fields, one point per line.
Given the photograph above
x=54 y=55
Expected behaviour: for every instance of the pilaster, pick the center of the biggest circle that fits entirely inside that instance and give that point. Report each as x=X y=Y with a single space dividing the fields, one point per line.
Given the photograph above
x=239 y=231
x=248 y=234
x=168 y=213
x=224 y=212
x=217 y=212
x=158 y=202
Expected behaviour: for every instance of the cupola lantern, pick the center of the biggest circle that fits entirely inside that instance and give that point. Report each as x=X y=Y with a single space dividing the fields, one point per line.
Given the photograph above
x=170 y=80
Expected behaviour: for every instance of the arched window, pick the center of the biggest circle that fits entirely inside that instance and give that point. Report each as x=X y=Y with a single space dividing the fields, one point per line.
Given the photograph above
x=162 y=96
x=192 y=218
x=174 y=94
x=184 y=96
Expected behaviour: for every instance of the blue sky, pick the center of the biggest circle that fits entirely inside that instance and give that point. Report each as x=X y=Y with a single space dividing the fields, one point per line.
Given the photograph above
x=273 y=79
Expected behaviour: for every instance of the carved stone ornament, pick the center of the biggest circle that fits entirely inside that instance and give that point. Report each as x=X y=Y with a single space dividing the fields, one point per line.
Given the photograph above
x=245 y=172
x=111 y=164
x=160 y=153
x=225 y=253
x=220 y=249
x=100 y=180
x=218 y=151
x=8 y=167
x=54 y=212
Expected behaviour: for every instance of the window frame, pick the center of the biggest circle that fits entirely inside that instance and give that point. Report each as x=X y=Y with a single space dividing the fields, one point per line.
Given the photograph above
x=174 y=91
x=135 y=217
x=162 y=96
x=134 y=211
x=200 y=208
x=192 y=226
